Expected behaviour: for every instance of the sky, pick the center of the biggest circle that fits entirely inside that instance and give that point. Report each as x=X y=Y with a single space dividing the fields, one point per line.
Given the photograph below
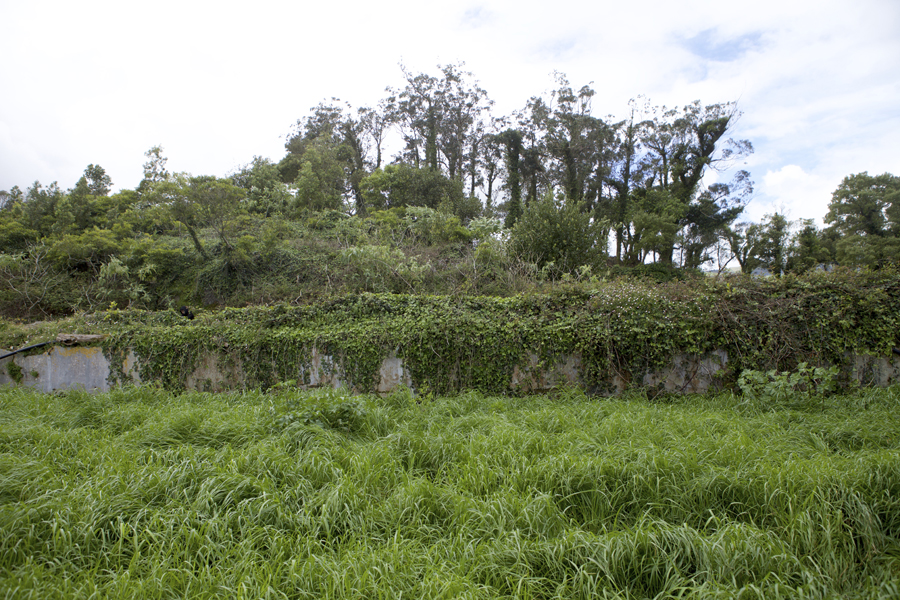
x=217 y=83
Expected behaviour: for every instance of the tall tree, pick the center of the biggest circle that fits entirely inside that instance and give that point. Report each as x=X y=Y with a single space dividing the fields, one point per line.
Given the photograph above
x=576 y=143
x=331 y=139
x=682 y=145
x=621 y=176
x=490 y=163
x=865 y=213
x=512 y=140
x=154 y=169
x=375 y=123
x=440 y=118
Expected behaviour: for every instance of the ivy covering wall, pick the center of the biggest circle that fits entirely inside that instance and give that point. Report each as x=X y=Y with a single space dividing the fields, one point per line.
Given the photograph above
x=622 y=328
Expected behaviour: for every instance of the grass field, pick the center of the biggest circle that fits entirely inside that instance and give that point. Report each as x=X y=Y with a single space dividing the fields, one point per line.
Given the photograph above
x=143 y=494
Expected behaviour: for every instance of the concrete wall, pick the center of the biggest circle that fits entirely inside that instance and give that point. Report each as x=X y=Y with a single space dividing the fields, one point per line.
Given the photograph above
x=62 y=368
x=65 y=368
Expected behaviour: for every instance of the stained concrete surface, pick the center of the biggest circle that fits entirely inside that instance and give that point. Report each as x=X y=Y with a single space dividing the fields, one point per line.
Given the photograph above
x=85 y=367
x=64 y=368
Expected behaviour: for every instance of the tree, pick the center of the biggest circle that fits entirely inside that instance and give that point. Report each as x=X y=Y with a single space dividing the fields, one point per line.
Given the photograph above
x=40 y=207
x=14 y=233
x=761 y=245
x=621 y=178
x=217 y=201
x=98 y=182
x=683 y=144
x=440 y=118
x=655 y=221
x=321 y=182
x=808 y=249
x=490 y=162
x=338 y=144
x=154 y=169
x=203 y=201
x=865 y=212
x=375 y=123
x=512 y=140
x=576 y=144
x=708 y=216
x=11 y=199
x=80 y=209
x=265 y=193
x=404 y=185
x=772 y=243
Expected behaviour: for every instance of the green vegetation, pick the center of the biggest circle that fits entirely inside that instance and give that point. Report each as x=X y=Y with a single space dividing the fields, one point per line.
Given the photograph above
x=472 y=204
x=15 y=372
x=140 y=493
x=620 y=330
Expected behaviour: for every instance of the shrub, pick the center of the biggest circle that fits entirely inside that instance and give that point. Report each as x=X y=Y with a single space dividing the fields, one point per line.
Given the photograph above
x=772 y=388
x=559 y=234
x=328 y=409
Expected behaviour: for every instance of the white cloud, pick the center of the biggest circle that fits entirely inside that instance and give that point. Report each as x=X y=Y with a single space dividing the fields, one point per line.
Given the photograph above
x=794 y=193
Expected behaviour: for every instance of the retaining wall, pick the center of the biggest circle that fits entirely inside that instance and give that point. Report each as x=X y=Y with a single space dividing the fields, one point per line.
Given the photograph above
x=86 y=367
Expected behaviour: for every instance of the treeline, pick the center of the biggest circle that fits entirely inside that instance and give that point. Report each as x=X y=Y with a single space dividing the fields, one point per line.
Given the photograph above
x=472 y=203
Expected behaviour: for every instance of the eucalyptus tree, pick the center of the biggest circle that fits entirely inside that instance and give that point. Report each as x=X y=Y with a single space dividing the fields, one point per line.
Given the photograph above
x=491 y=161
x=681 y=145
x=512 y=142
x=531 y=123
x=328 y=155
x=441 y=119
x=577 y=145
x=622 y=175
x=375 y=123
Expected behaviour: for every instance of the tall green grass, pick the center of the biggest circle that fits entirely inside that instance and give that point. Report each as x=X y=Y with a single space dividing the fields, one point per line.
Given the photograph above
x=140 y=493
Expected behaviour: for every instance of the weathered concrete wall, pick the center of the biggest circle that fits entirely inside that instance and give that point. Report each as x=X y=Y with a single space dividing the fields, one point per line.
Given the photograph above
x=62 y=368
x=65 y=368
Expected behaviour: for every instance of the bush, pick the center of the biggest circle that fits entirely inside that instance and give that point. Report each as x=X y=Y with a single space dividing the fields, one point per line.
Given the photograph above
x=557 y=234
x=771 y=389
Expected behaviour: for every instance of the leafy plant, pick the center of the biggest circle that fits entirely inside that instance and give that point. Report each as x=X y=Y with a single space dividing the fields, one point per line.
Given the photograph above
x=773 y=388
x=15 y=372
x=328 y=409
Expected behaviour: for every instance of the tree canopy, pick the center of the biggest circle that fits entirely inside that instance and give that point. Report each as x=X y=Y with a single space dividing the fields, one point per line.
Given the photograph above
x=471 y=200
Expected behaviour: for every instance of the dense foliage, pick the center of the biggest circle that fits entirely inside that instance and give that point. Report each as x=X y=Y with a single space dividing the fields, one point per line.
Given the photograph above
x=472 y=203
x=139 y=493
x=619 y=330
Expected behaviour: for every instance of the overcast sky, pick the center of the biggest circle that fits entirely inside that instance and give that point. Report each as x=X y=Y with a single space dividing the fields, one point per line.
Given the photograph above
x=216 y=83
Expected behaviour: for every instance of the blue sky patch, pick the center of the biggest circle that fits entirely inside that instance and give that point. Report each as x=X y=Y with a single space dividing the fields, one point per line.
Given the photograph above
x=707 y=44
